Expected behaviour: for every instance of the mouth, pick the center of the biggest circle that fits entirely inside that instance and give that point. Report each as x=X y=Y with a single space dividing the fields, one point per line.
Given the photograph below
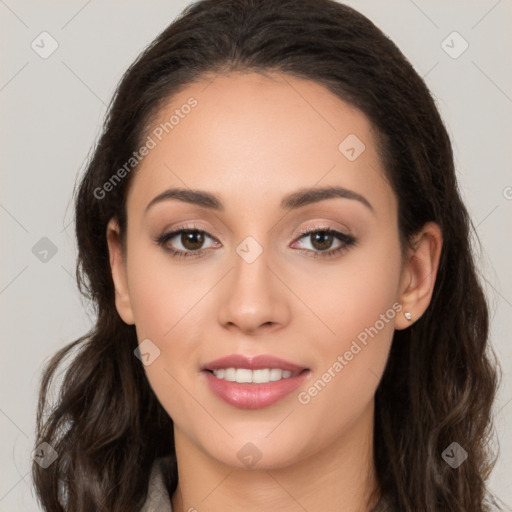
x=253 y=382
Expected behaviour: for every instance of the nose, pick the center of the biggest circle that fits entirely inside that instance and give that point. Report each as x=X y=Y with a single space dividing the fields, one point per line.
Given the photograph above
x=253 y=297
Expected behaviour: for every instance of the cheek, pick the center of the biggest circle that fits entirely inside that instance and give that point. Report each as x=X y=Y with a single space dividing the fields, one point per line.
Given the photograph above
x=351 y=294
x=164 y=298
x=162 y=292
x=352 y=358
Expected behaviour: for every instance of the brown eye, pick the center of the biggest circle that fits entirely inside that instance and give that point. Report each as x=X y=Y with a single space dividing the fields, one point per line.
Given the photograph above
x=192 y=240
x=185 y=242
x=322 y=240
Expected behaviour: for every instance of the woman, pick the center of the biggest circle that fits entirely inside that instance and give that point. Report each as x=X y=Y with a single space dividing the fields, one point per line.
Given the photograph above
x=288 y=312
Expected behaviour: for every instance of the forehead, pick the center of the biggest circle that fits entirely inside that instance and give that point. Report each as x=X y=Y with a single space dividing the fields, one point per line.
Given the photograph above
x=249 y=135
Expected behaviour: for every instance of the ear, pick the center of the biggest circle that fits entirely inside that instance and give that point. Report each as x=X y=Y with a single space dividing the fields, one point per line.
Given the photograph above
x=419 y=274
x=118 y=270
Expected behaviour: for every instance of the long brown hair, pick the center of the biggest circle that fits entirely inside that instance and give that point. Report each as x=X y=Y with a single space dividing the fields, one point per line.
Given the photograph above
x=440 y=381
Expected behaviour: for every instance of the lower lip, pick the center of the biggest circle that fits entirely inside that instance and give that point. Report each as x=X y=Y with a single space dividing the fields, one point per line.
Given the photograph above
x=251 y=395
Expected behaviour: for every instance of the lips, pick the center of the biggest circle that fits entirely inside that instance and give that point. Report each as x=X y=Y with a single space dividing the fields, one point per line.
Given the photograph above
x=253 y=382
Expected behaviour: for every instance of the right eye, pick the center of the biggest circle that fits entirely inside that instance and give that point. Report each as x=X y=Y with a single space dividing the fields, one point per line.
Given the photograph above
x=191 y=240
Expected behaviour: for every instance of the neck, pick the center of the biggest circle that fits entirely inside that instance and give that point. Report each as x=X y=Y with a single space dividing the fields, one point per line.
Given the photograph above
x=339 y=478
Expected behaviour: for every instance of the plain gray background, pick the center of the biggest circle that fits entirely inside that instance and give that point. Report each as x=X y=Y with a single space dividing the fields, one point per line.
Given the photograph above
x=51 y=112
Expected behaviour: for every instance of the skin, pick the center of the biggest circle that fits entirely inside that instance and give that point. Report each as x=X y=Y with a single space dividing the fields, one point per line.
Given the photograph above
x=250 y=141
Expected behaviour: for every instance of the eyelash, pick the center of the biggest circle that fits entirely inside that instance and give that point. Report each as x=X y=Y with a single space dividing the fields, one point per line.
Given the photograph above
x=346 y=241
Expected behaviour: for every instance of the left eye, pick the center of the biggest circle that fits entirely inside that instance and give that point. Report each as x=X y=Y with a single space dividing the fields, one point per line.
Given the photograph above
x=323 y=238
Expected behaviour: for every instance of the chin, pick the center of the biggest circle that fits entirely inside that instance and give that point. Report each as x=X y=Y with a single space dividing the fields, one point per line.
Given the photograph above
x=258 y=452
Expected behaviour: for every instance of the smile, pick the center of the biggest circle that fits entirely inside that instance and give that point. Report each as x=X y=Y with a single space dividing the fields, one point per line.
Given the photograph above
x=253 y=382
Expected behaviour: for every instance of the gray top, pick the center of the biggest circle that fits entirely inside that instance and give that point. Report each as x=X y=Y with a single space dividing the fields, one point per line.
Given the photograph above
x=158 y=498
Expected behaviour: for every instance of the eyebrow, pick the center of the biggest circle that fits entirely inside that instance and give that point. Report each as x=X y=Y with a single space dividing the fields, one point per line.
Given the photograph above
x=295 y=200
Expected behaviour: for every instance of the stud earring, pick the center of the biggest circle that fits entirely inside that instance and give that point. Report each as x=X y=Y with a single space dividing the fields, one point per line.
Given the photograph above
x=408 y=315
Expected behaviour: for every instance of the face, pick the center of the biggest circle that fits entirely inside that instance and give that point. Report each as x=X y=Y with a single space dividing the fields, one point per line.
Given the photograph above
x=266 y=324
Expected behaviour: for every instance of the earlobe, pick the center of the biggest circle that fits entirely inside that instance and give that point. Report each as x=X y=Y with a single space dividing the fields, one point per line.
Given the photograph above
x=118 y=271
x=419 y=275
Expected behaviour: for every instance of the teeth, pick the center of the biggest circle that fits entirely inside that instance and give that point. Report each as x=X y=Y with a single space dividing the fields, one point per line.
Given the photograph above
x=230 y=374
x=261 y=376
x=244 y=375
x=275 y=374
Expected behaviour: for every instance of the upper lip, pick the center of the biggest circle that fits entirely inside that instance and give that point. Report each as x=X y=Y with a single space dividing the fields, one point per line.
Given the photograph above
x=252 y=363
